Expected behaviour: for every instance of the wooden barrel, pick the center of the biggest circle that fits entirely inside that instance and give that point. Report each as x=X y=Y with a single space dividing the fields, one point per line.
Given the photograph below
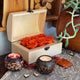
x=64 y=18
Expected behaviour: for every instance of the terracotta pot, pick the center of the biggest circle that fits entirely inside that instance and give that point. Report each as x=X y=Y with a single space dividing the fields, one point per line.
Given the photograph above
x=64 y=18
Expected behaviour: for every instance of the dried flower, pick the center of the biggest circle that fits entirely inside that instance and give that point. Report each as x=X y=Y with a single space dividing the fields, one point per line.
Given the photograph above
x=36 y=41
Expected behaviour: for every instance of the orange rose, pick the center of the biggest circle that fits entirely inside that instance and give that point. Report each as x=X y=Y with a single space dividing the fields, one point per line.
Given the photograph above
x=36 y=41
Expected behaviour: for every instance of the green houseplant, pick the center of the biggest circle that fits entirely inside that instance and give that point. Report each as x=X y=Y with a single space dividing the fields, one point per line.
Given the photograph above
x=72 y=8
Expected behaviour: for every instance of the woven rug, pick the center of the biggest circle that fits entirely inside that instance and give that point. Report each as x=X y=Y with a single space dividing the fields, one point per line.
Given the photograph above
x=59 y=73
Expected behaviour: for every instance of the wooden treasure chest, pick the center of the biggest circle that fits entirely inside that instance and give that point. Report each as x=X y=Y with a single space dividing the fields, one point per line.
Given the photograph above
x=22 y=24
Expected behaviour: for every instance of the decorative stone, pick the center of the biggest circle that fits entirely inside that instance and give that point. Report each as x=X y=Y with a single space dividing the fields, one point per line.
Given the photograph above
x=72 y=54
x=36 y=74
x=26 y=75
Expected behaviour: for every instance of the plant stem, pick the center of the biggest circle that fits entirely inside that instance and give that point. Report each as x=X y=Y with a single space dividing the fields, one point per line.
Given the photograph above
x=73 y=26
x=66 y=35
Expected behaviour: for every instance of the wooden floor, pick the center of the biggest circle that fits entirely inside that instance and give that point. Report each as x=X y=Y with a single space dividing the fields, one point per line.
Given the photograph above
x=2 y=66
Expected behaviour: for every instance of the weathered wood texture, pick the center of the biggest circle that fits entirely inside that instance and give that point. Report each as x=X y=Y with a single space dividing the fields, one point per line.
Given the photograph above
x=19 y=5
x=58 y=6
x=56 y=10
x=64 y=18
x=53 y=11
x=2 y=29
x=31 y=55
x=13 y=6
x=53 y=7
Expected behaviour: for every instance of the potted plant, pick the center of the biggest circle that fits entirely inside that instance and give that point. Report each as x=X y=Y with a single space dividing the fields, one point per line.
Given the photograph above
x=68 y=25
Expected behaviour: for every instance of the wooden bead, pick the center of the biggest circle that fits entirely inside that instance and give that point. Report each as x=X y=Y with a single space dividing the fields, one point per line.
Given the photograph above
x=37 y=6
x=50 y=0
x=37 y=1
x=49 y=6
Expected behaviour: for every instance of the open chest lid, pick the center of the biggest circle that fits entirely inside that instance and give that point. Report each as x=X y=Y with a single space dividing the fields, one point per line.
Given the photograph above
x=25 y=24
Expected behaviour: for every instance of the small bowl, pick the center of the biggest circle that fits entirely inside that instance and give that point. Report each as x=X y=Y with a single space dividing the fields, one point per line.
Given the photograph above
x=14 y=63
x=45 y=64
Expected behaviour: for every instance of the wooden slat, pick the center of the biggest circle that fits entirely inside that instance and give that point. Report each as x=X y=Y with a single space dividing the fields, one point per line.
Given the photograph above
x=13 y=6
x=16 y=5
x=2 y=29
x=31 y=4
x=51 y=18
x=57 y=7
x=57 y=10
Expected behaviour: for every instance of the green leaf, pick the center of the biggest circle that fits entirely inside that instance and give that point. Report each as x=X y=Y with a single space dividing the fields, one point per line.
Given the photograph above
x=67 y=34
x=78 y=11
x=67 y=42
x=68 y=24
x=77 y=29
x=73 y=3
x=61 y=33
x=60 y=39
x=78 y=7
x=69 y=12
x=67 y=6
x=77 y=25
x=67 y=1
x=76 y=15
x=57 y=37
x=76 y=0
